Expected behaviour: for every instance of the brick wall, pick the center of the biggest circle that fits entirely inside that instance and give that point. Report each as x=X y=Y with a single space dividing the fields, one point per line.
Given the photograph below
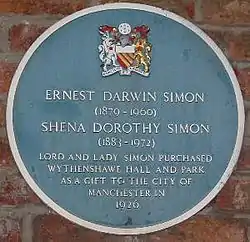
x=23 y=217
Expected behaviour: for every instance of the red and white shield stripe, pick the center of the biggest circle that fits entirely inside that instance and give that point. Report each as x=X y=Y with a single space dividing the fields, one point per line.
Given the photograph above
x=125 y=59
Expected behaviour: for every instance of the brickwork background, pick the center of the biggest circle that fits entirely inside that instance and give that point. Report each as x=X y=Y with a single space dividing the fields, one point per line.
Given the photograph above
x=24 y=218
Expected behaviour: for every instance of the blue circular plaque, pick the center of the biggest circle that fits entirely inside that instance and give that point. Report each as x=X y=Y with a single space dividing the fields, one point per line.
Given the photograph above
x=125 y=118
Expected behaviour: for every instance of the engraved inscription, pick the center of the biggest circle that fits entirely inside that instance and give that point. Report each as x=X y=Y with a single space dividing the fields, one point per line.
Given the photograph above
x=127 y=177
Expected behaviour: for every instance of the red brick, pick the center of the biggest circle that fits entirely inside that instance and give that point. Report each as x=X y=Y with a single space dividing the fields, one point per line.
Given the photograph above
x=15 y=191
x=9 y=230
x=42 y=6
x=244 y=81
x=197 y=229
x=244 y=159
x=2 y=114
x=7 y=71
x=123 y=238
x=203 y=229
x=6 y=158
x=236 y=45
x=184 y=8
x=234 y=195
x=226 y=11
x=21 y=36
x=57 y=229
x=243 y=76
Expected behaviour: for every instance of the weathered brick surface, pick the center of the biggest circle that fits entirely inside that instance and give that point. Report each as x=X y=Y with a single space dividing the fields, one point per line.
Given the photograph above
x=15 y=191
x=203 y=229
x=57 y=229
x=243 y=76
x=235 y=44
x=200 y=228
x=185 y=8
x=235 y=195
x=41 y=6
x=9 y=230
x=127 y=238
x=244 y=159
x=7 y=71
x=6 y=158
x=226 y=11
x=2 y=114
x=233 y=198
x=21 y=36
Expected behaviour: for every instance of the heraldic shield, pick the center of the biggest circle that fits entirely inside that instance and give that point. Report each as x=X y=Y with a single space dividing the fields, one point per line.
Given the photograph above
x=125 y=50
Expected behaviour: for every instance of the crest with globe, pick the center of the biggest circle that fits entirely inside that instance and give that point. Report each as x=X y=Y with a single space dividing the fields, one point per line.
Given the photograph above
x=125 y=50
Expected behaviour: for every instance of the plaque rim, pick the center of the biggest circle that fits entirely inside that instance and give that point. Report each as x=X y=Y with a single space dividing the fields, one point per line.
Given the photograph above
x=116 y=230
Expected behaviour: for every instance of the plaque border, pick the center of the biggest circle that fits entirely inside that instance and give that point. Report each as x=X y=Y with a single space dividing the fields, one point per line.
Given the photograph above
x=116 y=230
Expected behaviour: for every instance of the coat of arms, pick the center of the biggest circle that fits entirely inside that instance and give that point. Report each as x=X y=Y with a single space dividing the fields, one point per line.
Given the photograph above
x=125 y=50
